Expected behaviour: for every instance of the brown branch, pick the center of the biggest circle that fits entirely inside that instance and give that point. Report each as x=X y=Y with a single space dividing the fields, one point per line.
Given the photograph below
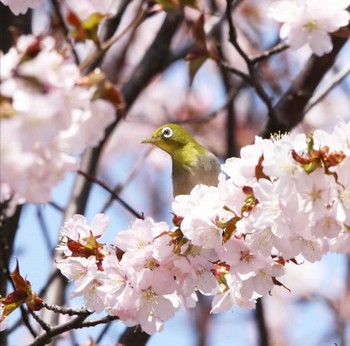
x=41 y=322
x=65 y=310
x=118 y=189
x=102 y=320
x=153 y=62
x=45 y=231
x=93 y=60
x=8 y=231
x=46 y=338
x=328 y=88
x=268 y=53
x=113 y=194
x=261 y=323
x=64 y=27
x=242 y=75
x=77 y=323
x=133 y=336
x=289 y=110
x=108 y=29
x=253 y=79
x=11 y=24
x=103 y=332
x=156 y=59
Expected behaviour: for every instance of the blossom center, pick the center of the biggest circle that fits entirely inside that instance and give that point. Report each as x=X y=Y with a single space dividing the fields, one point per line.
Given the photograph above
x=345 y=197
x=246 y=256
x=315 y=193
x=310 y=26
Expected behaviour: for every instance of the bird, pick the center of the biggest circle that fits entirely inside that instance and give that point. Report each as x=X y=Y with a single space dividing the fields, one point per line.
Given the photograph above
x=192 y=164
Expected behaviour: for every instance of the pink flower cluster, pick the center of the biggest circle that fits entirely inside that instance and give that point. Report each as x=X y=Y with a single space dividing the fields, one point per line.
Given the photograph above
x=47 y=119
x=285 y=199
x=310 y=21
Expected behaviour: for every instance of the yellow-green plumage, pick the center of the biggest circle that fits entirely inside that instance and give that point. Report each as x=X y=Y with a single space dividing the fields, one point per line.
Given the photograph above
x=192 y=163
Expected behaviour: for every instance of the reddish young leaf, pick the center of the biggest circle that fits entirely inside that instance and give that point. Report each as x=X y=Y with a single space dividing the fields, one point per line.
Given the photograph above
x=199 y=53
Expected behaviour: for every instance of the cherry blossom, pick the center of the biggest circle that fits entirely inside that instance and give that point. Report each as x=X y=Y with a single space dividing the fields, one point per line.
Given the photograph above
x=49 y=118
x=77 y=229
x=310 y=22
x=285 y=200
x=21 y=6
x=85 y=8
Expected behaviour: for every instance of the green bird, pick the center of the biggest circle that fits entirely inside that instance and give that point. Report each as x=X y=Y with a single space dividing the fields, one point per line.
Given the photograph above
x=192 y=163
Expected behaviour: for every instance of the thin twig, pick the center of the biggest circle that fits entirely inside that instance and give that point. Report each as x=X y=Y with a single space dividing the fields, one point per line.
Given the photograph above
x=66 y=311
x=289 y=110
x=102 y=320
x=96 y=55
x=56 y=206
x=238 y=73
x=118 y=189
x=261 y=323
x=64 y=28
x=42 y=323
x=103 y=332
x=202 y=119
x=45 y=231
x=49 y=281
x=328 y=88
x=254 y=81
x=46 y=338
x=273 y=51
x=113 y=194
x=25 y=319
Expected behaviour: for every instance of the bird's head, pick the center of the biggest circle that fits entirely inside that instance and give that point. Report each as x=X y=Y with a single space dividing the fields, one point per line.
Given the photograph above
x=170 y=138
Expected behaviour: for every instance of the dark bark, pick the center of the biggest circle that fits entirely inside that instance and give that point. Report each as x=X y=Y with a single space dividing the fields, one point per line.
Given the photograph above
x=288 y=112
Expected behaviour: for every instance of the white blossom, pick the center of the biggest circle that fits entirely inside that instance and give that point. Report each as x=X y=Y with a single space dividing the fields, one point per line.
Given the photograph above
x=310 y=21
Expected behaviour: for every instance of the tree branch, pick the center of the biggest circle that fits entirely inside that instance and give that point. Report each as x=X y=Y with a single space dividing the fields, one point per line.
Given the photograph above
x=253 y=79
x=273 y=51
x=261 y=323
x=328 y=88
x=133 y=336
x=289 y=110
x=152 y=63
x=64 y=27
x=46 y=338
x=155 y=60
x=107 y=38
x=118 y=189
x=113 y=194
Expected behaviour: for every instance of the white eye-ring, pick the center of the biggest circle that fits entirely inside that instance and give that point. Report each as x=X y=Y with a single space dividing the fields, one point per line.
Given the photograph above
x=167 y=132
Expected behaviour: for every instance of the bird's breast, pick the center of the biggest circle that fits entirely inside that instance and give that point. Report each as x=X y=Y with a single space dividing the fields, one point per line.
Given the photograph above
x=204 y=170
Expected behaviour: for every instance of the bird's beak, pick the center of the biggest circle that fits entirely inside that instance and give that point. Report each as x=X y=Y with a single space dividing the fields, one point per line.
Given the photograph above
x=149 y=140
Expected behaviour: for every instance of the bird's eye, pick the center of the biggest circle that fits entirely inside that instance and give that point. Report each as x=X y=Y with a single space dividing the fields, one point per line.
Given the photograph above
x=167 y=132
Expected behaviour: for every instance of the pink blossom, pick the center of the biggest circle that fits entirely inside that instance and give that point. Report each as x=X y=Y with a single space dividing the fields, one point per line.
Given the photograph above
x=77 y=228
x=202 y=212
x=85 y=8
x=50 y=118
x=140 y=235
x=81 y=270
x=310 y=22
x=261 y=282
x=242 y=170
x=290 y=204
x=21 y=6
x=230 y=297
